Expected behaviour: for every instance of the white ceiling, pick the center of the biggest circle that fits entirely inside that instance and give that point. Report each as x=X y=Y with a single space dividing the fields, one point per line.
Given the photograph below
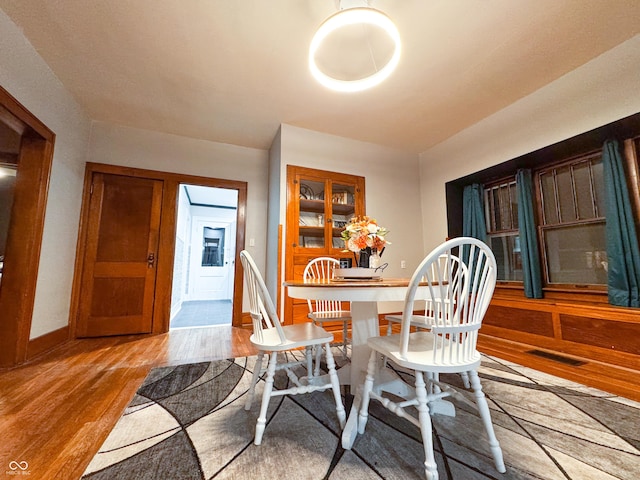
x=212 y=197
x=232 y=71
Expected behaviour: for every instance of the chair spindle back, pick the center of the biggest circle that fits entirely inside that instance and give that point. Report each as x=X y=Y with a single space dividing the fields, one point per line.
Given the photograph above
x=262 y=309
x=460 y=283
x=322 y=269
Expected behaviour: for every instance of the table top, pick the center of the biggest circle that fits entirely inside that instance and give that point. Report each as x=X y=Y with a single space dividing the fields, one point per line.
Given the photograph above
x=359 y=283
x=385 y=289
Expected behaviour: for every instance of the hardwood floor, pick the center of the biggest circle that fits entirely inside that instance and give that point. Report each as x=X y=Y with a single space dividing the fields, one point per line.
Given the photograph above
x=57 y=410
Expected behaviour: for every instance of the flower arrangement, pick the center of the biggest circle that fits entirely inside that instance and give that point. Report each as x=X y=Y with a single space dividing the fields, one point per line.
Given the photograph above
x=362 y=232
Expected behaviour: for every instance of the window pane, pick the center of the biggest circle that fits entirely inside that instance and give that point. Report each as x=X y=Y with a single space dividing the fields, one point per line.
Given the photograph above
x=506 y=249
x=598 y=185
x=565 y=194
x=505 y=208
x=488 y=211
x=343 y=194
x=495 y=199
x=312 y=214
x=576 y=255
x=501 y=207
x=582 y=180
x=548 y=199
x=514 y=206
x=213 y=247
x=342 y=210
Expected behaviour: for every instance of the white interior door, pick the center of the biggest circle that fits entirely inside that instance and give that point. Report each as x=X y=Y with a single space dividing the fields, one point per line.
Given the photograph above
x=212 y=259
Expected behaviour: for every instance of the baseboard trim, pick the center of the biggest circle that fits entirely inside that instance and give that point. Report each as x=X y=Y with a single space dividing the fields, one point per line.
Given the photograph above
x=46 y=342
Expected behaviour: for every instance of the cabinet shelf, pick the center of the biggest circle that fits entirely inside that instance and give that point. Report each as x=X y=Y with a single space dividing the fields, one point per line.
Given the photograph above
x=343 y=209
x=311 y=231
x=314 y=206
x=317 y=206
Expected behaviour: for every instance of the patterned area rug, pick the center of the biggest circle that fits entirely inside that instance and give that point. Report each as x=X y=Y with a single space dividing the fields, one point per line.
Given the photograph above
x=189 y=422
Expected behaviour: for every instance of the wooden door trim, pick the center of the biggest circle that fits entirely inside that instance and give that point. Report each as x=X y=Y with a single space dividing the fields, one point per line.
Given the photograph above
x=18 y=117
x=24 y=241
x=166 y=248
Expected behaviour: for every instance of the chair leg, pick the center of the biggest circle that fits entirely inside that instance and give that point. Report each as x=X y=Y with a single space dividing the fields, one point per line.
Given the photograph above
x=485 y=414
x=372 y=367
x=345 y=335
x=316 y=371
x=308 y=353
x=424 y=417
x=257 y=369
x=465 y=380
x=335 y=386
x=433 y=389
x=266 y=396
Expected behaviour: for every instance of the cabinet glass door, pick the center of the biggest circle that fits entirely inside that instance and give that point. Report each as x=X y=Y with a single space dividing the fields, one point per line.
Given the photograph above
x=343 y=208
x=312 y=214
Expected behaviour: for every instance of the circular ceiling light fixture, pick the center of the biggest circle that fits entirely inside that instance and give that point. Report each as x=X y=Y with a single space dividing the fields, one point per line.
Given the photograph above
x=350 y=17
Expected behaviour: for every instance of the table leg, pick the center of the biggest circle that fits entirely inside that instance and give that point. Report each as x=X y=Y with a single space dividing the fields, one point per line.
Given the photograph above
x=364 y=324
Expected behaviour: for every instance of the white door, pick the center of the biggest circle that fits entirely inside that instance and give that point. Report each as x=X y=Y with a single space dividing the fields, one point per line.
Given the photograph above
x=212 y=259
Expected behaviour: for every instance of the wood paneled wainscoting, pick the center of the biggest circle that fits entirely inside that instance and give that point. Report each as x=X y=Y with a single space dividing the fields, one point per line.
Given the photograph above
x=589 y=342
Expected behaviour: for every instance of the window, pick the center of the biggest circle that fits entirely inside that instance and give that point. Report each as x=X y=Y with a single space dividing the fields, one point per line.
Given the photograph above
x=572 y=222
x=568 y=205
x=213 y=247
x=501 y=214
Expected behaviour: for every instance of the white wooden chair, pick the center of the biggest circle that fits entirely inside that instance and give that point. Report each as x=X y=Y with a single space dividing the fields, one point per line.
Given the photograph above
x=269 y=336
x=322 y=311
x=460 y=293
x=447 y=265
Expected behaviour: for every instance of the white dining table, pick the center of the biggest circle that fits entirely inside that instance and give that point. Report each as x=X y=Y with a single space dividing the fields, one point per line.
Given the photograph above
x=364 y=297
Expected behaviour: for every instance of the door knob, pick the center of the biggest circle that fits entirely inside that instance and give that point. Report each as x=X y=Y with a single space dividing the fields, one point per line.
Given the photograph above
x=151 y=260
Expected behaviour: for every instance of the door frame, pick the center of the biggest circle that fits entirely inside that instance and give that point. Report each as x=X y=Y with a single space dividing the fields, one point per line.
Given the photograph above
x=167 y=240
x=24 y=240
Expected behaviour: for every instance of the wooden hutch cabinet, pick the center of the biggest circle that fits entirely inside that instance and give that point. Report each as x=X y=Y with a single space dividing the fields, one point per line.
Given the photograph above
x=319 y=204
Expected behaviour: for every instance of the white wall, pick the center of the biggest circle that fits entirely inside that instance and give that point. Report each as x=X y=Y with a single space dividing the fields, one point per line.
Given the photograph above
x=181 y=255
x=273 y=217
x=26 y=77
x=117 y=145
x=601 y=91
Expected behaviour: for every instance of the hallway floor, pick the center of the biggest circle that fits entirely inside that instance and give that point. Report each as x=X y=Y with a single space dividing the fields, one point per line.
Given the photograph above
x=203 y=313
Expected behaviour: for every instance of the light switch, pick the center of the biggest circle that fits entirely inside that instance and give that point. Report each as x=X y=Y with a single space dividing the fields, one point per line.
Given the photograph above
x=252 y=242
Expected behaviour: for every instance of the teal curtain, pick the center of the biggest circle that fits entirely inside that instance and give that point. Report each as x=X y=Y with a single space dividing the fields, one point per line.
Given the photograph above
x=473 y=223
x=531 y=272
x=623 y=253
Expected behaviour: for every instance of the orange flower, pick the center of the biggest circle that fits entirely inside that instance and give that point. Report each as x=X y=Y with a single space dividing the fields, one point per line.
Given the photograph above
x=363 y=232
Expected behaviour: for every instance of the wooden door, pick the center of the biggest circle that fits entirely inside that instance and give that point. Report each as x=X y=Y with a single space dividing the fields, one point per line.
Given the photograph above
x=119 y=268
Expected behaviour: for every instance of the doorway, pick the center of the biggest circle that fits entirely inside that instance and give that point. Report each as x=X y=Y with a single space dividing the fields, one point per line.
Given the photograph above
x=204 y=260
x=26 y=151
x=168 y=252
